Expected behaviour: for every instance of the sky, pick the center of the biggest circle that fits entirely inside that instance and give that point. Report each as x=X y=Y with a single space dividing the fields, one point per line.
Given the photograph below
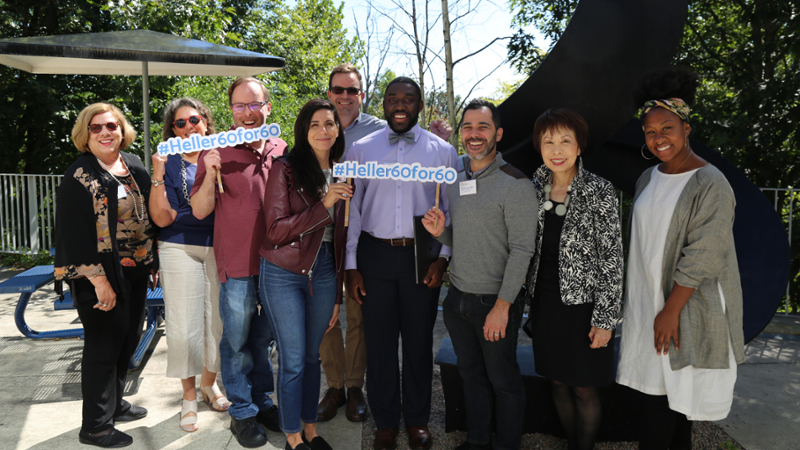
x=490 y=19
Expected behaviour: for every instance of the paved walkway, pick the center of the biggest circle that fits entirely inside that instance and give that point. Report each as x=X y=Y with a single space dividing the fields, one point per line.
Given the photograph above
x=40 y=392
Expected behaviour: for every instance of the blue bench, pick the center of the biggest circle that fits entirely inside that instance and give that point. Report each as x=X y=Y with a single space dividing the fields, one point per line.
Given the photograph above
x=28 y=282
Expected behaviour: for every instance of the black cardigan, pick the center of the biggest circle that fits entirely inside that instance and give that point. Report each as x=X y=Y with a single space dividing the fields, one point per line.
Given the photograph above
x=87 y=202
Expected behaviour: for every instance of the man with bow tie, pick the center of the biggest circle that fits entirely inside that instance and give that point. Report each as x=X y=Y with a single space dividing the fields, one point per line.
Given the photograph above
x=381 y=274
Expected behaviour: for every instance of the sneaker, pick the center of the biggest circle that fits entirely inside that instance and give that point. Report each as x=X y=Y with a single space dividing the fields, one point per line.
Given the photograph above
x=248 y=433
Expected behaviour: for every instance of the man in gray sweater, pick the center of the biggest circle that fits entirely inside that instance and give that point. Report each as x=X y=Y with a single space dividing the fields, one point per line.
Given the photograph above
x=493 y=213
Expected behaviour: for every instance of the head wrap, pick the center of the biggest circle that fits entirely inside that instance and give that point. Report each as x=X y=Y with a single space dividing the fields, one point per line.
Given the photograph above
x=674 y=105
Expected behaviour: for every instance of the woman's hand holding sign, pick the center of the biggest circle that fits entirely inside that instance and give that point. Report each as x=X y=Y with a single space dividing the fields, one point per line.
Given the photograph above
x=336 y=192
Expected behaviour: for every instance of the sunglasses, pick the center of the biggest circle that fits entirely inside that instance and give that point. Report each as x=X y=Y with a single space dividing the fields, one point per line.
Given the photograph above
x=338 y=90
x=194 y=120
x=96 y=128
x=254 y=106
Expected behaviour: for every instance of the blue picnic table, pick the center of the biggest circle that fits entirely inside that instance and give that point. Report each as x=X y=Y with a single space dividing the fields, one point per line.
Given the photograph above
x=31 y=280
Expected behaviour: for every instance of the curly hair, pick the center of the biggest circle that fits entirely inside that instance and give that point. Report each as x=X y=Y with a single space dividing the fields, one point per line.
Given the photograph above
x=669 y=82
x=178 y=103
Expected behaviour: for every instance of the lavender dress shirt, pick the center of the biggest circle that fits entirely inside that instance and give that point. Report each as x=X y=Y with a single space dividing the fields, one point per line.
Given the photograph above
x=386 y=208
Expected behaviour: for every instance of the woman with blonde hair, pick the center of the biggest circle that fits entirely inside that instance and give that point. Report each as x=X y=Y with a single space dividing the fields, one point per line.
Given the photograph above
x=105 y=251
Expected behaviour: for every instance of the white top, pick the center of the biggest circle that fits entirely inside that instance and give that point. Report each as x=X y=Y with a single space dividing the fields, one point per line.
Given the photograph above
x=700 y=394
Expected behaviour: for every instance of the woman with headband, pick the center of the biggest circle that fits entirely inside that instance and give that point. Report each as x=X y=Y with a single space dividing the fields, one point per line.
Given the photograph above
x=682 y=336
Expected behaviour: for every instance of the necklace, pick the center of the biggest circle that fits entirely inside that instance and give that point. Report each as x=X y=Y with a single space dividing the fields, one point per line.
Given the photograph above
x=136 y=207
x=561 y=210
x=183 y=179
x=681 y=165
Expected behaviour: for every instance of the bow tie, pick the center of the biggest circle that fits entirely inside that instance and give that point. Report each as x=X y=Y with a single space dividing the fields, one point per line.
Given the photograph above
x=408 y=137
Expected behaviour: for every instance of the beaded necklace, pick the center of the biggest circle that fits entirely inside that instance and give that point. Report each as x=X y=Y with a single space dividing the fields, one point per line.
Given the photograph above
x=136 y=206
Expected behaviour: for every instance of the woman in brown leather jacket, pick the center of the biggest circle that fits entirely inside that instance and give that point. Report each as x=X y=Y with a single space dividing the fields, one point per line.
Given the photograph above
x=302 y=265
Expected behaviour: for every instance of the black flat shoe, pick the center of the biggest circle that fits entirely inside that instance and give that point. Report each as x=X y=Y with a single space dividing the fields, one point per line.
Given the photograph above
x=300 y=446
x=114 y=439
x=134 y=413
x=315 y=444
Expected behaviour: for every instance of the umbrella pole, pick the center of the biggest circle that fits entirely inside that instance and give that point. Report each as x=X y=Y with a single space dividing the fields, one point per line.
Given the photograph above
x=146 y=106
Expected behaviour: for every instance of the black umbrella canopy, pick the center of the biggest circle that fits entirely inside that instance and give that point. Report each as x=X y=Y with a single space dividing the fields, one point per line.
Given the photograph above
x=123 y=52
x=132 y=52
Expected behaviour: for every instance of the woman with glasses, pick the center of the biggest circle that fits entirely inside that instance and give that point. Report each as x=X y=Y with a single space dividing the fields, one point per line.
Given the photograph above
x=188 y=268
x=105 y=251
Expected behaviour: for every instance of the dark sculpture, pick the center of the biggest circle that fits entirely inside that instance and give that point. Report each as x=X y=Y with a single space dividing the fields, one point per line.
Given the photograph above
x=592 y=69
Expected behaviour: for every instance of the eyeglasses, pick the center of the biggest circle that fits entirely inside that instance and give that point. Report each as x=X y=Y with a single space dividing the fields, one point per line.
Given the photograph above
x=254 y=106
x=194 y=120
x=96 y=128
x=338 y=90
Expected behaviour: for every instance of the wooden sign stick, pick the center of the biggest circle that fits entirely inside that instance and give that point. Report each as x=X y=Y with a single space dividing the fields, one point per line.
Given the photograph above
x=219 y=182
x=347 y=206
x=436 y=206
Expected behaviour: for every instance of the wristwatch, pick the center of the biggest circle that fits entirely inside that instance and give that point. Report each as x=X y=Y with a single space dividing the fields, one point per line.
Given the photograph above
x=157 y=182
x=446 y=257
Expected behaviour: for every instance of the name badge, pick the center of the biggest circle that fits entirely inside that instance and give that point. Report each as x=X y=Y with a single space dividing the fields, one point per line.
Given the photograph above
x=121 y=192
x=468 y=187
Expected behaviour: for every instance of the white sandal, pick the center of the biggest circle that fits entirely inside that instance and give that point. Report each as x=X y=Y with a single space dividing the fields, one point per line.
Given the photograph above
x=188 y=421
x=212 y=394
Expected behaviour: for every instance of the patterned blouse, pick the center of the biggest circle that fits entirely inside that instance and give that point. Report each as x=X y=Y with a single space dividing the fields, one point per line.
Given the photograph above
x=590 y=249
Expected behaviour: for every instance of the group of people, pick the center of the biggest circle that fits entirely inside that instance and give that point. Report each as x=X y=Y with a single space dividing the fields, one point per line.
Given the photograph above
x=254 y=248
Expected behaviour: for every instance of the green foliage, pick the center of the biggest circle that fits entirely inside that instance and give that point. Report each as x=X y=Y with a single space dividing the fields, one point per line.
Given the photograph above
x=25 y=262
x=375 y=106
x=37 y=112
x=747 y=53
x=504 y=90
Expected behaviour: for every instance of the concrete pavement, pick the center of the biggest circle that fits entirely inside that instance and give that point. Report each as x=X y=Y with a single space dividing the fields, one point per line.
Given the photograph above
x=41 y=399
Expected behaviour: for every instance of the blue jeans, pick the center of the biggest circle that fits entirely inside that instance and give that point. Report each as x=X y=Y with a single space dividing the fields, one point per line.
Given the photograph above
x=487 y=368
x=244 y=349
x=299 y=320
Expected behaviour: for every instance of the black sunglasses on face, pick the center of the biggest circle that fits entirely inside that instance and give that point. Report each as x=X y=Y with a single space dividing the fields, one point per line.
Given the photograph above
x=194 y=120
x=96 y=128
x=338 y=90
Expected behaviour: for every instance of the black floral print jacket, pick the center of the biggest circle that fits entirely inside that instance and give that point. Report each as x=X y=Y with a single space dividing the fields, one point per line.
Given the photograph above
x=87 y=226
x=590 y=250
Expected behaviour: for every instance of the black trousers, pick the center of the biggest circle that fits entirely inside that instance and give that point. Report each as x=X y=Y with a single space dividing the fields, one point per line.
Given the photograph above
x=661 y=428
x=396 y=306
x=110 y=338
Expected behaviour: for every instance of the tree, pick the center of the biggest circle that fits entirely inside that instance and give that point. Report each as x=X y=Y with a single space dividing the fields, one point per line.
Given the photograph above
x=747 y=53
x=37 y=112
x=376 y=48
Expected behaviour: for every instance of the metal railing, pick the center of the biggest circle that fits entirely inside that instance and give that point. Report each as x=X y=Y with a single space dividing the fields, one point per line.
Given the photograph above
x=27 y=212
x=786 y=212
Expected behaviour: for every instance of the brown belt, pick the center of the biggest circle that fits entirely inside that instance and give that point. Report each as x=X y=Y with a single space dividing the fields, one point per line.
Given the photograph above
x=399 y=242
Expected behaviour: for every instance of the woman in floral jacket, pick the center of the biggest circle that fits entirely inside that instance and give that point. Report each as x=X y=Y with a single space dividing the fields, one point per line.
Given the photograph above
x=105 y=250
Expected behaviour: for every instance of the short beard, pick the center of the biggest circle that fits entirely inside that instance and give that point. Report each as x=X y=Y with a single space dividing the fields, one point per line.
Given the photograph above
x=490 y=146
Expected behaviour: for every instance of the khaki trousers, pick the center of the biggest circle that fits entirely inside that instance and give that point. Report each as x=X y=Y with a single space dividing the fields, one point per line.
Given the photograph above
x=344 y=360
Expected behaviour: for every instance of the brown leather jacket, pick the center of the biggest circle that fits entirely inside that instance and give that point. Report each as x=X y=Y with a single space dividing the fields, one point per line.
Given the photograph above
x=296 y=223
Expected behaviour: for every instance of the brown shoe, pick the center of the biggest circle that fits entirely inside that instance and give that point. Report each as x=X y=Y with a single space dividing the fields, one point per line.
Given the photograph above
x=333 y=399
x=356 y=405
x=419 y=438
x=386 y=439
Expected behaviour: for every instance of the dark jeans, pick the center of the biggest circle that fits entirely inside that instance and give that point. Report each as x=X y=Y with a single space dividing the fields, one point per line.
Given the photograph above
x=395 y=306
x=489 y=369
x=110 y=338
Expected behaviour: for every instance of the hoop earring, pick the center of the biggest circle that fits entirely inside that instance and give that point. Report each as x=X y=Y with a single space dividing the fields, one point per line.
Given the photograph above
x=642 y=152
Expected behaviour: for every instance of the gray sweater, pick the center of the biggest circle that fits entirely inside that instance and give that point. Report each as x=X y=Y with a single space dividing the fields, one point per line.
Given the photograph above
x=493 y=232
x=700 y=253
